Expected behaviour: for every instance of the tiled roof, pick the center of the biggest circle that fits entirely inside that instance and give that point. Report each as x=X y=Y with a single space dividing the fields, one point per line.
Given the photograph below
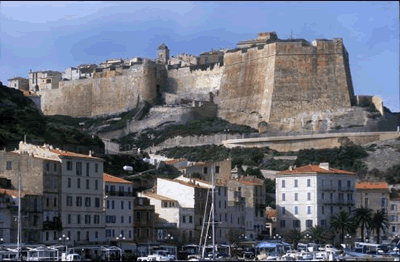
x=315 y=169
x=114 y=179
x=255 y=182
x=174 y=161
x=72 y=154
x=13 y=192
x=159 y=197
x=372 y=185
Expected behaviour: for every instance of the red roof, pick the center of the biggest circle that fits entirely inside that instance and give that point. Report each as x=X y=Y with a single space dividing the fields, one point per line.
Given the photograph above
x=174 y=161
x=72 y=154
x=315 y=169
x=114 y=179
x=372 y=185
x=13 y=192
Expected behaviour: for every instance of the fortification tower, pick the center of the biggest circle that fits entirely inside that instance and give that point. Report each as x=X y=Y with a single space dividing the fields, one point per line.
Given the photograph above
x=162 y=54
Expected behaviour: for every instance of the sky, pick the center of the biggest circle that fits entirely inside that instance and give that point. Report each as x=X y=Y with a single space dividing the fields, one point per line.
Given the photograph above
x=58 y=35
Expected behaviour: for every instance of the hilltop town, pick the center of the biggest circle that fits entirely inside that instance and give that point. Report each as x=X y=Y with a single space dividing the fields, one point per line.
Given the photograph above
x=293 y=148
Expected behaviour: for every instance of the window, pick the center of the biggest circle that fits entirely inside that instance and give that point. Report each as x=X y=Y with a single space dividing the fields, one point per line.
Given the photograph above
x=122 y=219
x=348 y=183
x=282 y=223
x=78 y=201
x=340 y=184
x=87 y=235
x=112 y=204
x=205 y=170
x=96 y=234
x=296 y=223
x=366 y=202
x=323 y=183
x=148 y=216
x=108 y=204
x=331 y=196
x=78 y=183
x=393 y=207
x=54 y=167
x=78 y=219
x=122 y=204
x=121 y=190
x=308 y=209
x=55 y=202
x=87 y=183
x=283 y=184
x=69 y=218
x=69 y=165
x=96 y=185
x=47 y=236
x=323 y=196
x=219 y=204
x=384 y=202
x=96 y=219
x=296 y=210
x=323 y=210
x=283 y=210
x=308 y=182
x=47 y=202
x=183 y=219
x=69 y=182
x=296 y=183
x=323 y=223
x=331 y=210
x=217 y=169
x=393 y=229
x=87 y=202
x=219 y=191
x=191 y=219
x=96 y=167
x=108 y=232
x=138 y=216
x=79 y=236
x=69 y=201
x=130 y=234
x=47 y=166
x=296 y=197
x=9 y=165
x=130 y=219
x=225 y=204
x=283 y=197
x=78 y=168
x=97 y=202
x=87 y=219
x=309 y=223
x=87 y=169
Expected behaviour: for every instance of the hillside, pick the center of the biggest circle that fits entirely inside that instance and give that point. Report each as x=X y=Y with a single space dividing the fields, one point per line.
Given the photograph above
x=19 y=116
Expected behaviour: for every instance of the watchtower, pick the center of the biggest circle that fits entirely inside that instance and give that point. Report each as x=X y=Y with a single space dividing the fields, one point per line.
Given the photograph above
x=162 y=54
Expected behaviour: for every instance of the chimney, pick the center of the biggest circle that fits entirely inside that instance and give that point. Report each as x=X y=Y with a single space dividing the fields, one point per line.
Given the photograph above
x=324 y=165
x=290 y=168
x=90 y=152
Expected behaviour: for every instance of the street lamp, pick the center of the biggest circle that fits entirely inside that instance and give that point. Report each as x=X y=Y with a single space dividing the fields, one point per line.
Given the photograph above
x=347 y=236
x=169 y=238
x=309 y=237
x=119 y=238
x=63 y=240
x=277 y=237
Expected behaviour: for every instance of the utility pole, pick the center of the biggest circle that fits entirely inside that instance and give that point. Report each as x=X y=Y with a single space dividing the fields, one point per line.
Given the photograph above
x=213 y=209
x=19 y=212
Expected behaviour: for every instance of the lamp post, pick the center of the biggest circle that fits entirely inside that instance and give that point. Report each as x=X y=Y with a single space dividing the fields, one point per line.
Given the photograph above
x=348 y=237
x=169 y=238
x=308 y=236
x=277 y=237
x=119 y=238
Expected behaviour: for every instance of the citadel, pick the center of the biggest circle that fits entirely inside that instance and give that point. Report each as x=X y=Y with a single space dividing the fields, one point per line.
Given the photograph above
x=268 y=83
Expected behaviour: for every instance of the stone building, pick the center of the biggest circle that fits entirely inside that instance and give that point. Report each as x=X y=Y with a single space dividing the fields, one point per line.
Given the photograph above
x=183 y=59
x=162 y=54
x=308 y=196
x=394 y=214
x=263 y=38
x=211 y=57
x=375 y=196
x=119 y=199
x=143 y=220
x=44 y=80
x=71 y=186
x=19 y=83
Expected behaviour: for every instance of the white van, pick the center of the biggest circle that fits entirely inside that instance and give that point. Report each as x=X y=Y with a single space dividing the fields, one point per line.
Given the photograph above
x=74 y=257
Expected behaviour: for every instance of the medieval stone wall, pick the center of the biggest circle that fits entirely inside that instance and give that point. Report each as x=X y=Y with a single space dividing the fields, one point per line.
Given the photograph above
x=107 y=93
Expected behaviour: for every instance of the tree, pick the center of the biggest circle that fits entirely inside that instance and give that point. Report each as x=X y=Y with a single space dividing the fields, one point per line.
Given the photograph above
x=294 y=236
x=379 y=221
x=319 y=234
x=342 y=222
x=363 y=218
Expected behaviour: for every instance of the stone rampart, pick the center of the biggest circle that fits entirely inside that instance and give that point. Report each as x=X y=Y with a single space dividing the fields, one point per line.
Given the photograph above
x=112 y=93
x=194 y=83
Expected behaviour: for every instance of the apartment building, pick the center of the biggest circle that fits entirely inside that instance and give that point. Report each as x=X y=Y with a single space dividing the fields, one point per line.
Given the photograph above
x=71 y=186
x=374 y=195
x=222 y=170
x=143 y=220
x=309 y=195
x=119 y=199
x=394 y=214
x=44 y=80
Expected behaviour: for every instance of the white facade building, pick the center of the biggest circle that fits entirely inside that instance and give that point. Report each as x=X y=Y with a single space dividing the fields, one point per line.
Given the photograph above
x=119 y=207
x=308 y=196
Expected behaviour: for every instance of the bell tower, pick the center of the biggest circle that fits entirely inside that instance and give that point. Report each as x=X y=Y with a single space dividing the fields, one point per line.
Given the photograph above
x=162 y=54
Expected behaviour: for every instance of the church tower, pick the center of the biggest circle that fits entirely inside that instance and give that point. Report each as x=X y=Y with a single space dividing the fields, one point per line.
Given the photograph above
x=162 y=54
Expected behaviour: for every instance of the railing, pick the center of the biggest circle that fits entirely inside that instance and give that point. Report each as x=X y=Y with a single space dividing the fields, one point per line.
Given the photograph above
x=119 y=193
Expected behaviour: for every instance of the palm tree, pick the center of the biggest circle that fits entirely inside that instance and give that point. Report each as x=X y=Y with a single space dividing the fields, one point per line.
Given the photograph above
x=294 y=236
x=363 y=218
x=379 y=221
x=342 y=222
x=319 y=233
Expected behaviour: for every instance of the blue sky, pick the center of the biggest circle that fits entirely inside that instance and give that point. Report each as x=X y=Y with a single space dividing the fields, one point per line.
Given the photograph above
x=57 y=35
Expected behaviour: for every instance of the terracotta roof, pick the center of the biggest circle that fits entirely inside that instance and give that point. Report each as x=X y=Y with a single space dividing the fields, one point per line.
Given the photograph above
x=372 y=185
x=29 y=93
x=72 y=154
x=254 y=182
x=271 y=213
x=156 y=196
x=315 y=169
x=174 y=161
x=14 y=192
x=114 y=179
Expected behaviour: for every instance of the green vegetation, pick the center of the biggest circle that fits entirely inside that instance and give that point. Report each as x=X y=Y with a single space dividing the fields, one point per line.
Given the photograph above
x=19 y=116
x=239 y=156
x=345 y=158
x=277 y=164
x=208 y=126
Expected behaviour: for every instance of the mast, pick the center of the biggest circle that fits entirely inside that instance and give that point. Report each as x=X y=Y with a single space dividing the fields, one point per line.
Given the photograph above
x=19 y=212
x=213 y=209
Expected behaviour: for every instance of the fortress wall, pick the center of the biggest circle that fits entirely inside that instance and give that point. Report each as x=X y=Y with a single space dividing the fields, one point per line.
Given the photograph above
x=98 y=96
x=309 y=79
x=182 y=81
x=246 y=86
